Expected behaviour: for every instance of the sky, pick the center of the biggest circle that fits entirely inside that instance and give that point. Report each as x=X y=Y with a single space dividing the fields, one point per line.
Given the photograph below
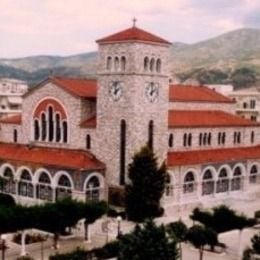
x=67 y=27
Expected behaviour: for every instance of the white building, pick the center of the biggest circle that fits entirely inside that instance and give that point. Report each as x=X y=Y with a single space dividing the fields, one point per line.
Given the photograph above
x=11 y=92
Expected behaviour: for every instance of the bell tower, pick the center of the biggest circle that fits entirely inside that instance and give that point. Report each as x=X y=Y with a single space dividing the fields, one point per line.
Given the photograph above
x=132 y=103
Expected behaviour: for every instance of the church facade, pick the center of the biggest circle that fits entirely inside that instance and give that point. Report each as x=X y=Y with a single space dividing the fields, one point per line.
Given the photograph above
x=76 y=137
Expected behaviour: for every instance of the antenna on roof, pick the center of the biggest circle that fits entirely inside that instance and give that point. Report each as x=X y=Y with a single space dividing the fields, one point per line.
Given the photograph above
x=134 y=21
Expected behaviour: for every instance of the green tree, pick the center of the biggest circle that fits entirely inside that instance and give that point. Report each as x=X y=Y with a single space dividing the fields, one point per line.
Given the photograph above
x=256 y=243
x=178 y=230
x=199 y=236
x=150 y=242
x=243 y=77
x=147 y=184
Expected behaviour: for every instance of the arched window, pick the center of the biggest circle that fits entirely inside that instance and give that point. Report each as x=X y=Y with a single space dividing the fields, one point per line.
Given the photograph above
x=122 y=151
x=205 y=137
x=123 y=63
x=88 y=141
x=200 y=139
x=64 y=188
x=219 y=138
x=185 y=139
x=158 y=65
x=8 y=185
x=150 y=134
x=253 y=175
x=209 y=139
x=236 y=182
x=190 y=139
x=168 y=186
x=116 y=62
x=109 y=63
x=208 y=183
x=223 y=138
x=43 y=126
x=223 y=181
x=152 y=64
x=58 y=128
x=50 y=124
x=36 y=130
x=171 y=140
x=44 y=189
x=65 y=131
x=15 y=135
x=189 y=183
x=238 y=137
x=252 y=137
x=146 y=64
x=93 y=189
x=235 y=138
x=25 y=186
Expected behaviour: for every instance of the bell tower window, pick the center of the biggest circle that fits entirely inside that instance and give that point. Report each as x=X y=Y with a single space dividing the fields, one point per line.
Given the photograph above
x=150 y=134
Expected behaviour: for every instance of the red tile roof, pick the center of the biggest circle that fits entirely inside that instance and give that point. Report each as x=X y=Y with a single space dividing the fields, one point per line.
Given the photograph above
x=14 y=119
x=89 y=123
x=66 y=158
x=206 y=118
x=213 y=156
x=80 y=87
x=132 y=34
x=184 y=93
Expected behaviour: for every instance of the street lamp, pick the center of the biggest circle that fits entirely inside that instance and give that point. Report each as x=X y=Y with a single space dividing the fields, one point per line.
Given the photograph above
x=118 y=219
x=3 y=245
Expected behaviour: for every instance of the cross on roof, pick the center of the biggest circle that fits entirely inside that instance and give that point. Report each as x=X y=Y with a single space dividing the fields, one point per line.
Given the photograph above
x=134 y=21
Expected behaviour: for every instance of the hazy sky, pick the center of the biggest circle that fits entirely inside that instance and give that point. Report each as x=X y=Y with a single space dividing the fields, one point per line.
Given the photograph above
x=64 y=27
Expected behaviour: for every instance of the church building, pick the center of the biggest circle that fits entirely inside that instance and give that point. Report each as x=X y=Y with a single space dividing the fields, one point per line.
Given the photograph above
x=76 y=137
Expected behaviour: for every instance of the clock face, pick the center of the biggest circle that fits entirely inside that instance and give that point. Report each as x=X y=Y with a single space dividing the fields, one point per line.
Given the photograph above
x=115 y=90
x=152 y=91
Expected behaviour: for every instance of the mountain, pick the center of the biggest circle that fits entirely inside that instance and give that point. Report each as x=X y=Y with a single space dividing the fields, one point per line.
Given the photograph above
x=229 y=51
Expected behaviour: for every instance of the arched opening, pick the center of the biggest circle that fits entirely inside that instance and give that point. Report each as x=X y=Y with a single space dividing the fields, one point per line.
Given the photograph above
x=236 y=182
x=122 y=151
x=200 y=139
x=88 y=141
x=123 y=63
x=150 y=134
x=189 y=183
x=65 y=131
x=36 y=130
x=146 y=64
x=50 y=124
x=116 y=62
x=158 y=65
x=253 y=175
x=25 y=186
x=171 y=140
x=168 y=186
x=43 y=126
x=44 y=189
x=152 y=62
x=189 y=139
x=185 y=140
x=93 y=189
x=209 y=139
x=205 y=139
x=15 y=136
x=8 y=185
x=223 y=181
x=208 y=183
x=58 y=128
x=109 y=63
x=64 y=187
x=252 y=137
x=223 y=138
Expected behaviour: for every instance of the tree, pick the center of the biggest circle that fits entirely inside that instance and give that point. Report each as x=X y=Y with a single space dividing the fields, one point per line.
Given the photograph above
x=150 y=242
x=243 y=77
x=7 y=200
x=146 y=187
x=179 y=231
x=256 y=243
x=199 y=236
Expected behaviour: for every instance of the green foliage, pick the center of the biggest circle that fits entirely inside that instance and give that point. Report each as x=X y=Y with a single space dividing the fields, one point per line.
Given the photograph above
x=78 y=254
x=178 y=229
x=222 y=219
x=212 y=77
x=257 y=214
x=147 y=185
x=256 y=243
x=109 y=250
x=247 y=254
x=94 y=210
x=243 y=77
x=150 y=242
x=24 y=258
x=7 y=200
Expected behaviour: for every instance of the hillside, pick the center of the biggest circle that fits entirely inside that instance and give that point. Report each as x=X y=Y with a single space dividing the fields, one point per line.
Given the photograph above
x=236 y=49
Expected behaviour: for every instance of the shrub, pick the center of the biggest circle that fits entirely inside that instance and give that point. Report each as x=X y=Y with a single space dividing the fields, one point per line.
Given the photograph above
x=6 y=200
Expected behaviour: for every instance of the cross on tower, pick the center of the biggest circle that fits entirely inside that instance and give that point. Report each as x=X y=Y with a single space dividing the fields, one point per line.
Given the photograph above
x=134 y=21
